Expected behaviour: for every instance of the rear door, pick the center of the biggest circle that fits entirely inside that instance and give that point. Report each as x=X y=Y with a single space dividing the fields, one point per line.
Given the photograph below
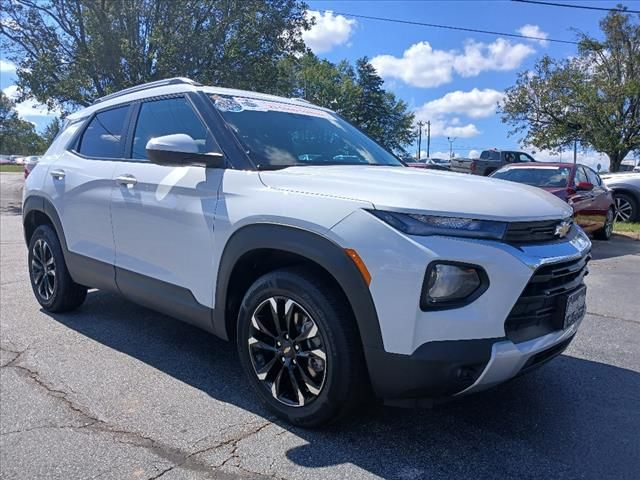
x=163 y=217
x=80 y=185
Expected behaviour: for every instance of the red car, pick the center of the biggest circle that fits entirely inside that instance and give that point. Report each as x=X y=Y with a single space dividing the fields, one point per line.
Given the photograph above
x=576 y=184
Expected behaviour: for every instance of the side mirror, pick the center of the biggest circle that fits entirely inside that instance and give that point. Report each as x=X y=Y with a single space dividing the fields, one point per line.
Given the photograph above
x=584 y=186
x=180 y=150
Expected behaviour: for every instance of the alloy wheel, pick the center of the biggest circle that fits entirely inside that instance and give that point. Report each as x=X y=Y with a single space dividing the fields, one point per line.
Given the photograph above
x=624 y=209
x=287 y=351
x=43 y=269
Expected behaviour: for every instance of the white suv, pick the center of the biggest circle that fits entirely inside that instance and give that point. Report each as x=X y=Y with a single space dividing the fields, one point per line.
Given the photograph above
x=339 y=272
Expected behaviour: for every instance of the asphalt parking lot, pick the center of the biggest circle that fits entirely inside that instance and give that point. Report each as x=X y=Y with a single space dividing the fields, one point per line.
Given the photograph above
x=117 y=391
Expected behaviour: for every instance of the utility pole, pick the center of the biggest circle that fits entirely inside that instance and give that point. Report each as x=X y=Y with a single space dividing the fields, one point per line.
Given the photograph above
x=420 y=125
x=451 y=140
x=575 y=150
x=428 y=137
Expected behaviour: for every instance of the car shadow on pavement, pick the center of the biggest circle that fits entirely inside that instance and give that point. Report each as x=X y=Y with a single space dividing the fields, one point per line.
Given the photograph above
x=569 y=419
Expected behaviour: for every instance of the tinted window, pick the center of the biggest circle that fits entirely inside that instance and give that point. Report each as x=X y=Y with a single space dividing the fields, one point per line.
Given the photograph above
x=580 y=176
x=490 y=155
x=525 y=158
x=551 y=177
x=104 y=134
x=593 y=177
x=280 y=134
x=167 y=117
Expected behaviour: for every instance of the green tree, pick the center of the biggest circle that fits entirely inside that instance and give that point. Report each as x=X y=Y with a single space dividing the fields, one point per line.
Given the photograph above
x=51 y=132
x=593 y=97
x=69 y=52
x=357 y=94
x=17 y=136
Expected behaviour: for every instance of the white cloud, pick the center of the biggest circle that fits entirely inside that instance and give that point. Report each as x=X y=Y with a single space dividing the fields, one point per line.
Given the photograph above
x=474 y=154
x=328 y=32
x=423 y=66
x=444 y=112
x=474 y=103
x=529 y=30
x=28 y=108
x=7 y=67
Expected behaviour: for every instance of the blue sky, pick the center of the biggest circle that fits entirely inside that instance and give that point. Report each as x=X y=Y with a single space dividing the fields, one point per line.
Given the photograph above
x=452 y=78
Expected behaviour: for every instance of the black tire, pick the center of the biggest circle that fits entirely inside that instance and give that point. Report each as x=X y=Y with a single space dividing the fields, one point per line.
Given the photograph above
x=607 y=229
x=50 y=280
x=626 y=208
x=313 y=302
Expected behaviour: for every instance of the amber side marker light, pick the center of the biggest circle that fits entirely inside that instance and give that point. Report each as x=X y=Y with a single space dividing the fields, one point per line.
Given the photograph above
x=353 y=255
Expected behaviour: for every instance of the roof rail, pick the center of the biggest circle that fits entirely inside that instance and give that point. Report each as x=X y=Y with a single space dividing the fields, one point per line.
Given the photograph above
x=146 y=86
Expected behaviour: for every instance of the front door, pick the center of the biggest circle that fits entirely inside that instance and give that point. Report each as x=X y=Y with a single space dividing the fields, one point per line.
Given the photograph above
x=163 y=216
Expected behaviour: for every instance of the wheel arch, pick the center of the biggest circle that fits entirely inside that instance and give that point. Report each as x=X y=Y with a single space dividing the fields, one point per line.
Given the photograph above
x=37 y=211
x=257 y=249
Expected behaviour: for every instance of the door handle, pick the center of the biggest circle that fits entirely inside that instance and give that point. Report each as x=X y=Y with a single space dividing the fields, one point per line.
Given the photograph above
x=57 y=174
x=127 y=180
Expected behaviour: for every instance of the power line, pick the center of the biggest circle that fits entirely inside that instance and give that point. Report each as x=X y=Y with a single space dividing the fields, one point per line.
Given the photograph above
x=451 y=27
x=584 y=7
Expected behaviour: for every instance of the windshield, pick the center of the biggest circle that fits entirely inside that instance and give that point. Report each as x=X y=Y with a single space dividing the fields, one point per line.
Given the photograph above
x=279 y=135
x=554 y=177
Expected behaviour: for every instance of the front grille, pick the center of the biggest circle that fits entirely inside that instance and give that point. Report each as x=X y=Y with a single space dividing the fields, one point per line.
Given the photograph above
x=539 y=309
x=532 y=232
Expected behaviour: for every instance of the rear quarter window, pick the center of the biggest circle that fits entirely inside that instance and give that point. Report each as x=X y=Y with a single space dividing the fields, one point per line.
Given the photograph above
x=104 y=136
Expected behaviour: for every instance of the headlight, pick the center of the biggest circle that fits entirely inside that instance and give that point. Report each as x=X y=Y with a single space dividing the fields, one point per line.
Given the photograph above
x=414 y=224
x=452 y=285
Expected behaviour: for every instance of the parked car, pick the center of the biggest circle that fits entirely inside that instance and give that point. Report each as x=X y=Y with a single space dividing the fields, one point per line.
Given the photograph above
x=578 y=185
x=5 y=159
x=334 y=268
x=427 y=166
x=30 y=163
x=440 y=163
x=626 y=193
x=489 y=161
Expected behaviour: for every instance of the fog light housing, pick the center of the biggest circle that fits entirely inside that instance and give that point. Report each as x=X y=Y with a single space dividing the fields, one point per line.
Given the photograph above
x=452 y=285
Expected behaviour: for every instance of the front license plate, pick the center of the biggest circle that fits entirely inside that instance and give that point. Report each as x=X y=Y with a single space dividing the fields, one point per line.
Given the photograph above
x=576 y=307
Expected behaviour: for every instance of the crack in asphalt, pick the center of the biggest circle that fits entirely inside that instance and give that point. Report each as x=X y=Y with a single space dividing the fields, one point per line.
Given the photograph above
x=177 y=457
x=612 y=317
x=234 y=441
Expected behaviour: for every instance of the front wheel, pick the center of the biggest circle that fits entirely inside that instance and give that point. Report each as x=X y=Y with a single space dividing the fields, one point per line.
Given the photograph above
x=607 y=229
x=299 y=346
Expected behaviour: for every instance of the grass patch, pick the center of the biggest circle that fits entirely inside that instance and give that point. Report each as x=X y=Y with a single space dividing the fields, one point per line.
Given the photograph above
x=627 y=227
x=11 y=168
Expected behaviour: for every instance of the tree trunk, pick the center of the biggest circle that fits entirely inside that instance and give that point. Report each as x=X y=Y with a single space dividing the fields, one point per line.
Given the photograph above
x=615 y=158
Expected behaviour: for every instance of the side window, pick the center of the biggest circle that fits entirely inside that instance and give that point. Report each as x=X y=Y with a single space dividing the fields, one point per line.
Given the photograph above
x=167 y=117
x=509 y=157
x=523 y=157
x=580 y=176
x=593 y=177
x=105 y=133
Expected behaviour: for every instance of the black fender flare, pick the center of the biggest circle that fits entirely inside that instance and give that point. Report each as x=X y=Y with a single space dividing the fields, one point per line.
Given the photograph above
x=314 y=247
x=41 y=204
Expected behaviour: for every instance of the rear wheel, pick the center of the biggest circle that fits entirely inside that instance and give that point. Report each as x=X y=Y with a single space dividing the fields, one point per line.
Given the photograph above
x=300 y=347
x=50 y=280
x=607 y=229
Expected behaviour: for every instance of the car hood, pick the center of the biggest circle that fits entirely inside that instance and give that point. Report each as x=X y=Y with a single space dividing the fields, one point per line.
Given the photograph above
x=422 y=191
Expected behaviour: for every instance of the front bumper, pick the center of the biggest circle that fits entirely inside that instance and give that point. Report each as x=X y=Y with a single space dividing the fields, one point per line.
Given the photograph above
x=460 y=367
